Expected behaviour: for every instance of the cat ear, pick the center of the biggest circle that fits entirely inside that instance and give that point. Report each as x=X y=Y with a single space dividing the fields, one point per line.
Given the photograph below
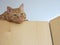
x=21 y=7
x=9 y=9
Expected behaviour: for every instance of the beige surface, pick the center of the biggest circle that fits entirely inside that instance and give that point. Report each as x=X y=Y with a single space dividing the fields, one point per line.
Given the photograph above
x=27 y=33
x=55 y=29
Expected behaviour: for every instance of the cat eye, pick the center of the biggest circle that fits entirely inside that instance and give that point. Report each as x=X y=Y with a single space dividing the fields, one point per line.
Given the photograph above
x=21 y=13
x=15 y=15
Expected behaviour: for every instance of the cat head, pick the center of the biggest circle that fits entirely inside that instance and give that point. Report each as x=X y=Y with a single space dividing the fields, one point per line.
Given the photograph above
x=17 y=14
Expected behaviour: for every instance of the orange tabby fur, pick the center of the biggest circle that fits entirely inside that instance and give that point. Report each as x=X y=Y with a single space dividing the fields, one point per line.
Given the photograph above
x=16 y=15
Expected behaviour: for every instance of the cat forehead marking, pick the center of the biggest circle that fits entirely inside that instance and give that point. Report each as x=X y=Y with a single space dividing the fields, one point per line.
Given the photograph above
x=16 y=10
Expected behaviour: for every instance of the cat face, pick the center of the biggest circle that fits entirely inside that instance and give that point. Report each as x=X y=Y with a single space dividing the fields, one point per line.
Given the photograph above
x=17 y=14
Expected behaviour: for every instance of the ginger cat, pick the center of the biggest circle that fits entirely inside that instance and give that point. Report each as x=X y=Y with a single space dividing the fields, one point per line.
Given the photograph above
x=16 y=15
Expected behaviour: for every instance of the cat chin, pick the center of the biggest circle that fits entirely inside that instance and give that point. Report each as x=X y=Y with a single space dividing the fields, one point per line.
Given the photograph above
x=19 y=22
x=26 y=20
